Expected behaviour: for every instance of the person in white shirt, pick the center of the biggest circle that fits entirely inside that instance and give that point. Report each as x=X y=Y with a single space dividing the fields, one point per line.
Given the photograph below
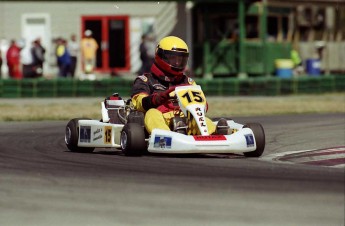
x=27 y=60
x=73 y=48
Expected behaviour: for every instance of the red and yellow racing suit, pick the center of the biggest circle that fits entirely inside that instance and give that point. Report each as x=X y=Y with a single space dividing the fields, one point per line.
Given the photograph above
x=159 y=116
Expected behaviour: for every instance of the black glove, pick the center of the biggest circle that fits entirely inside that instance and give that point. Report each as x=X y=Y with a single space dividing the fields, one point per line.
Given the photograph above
x=157 y=99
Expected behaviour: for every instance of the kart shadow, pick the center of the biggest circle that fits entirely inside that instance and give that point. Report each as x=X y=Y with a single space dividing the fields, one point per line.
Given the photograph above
x=97 y=152
x=115 y=152
x=224 y=156
x=191 y=156
x=100 y=151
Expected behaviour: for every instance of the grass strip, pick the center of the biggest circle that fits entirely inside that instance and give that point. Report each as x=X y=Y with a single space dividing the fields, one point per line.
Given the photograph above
x=68 y=108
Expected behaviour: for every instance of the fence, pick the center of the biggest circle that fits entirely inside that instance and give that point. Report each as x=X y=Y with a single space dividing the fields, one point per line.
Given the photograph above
x=269 y=86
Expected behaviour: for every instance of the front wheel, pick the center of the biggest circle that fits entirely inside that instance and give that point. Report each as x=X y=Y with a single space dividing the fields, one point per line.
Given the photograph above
x=259 y=136
x=133 y=140
x=72 y=136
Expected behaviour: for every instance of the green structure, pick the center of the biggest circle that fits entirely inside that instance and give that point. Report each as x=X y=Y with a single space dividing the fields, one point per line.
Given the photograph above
x=243 y=38
x=237 y=50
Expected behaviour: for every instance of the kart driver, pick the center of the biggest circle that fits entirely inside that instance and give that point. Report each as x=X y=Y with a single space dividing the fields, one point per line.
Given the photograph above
x=150 y=92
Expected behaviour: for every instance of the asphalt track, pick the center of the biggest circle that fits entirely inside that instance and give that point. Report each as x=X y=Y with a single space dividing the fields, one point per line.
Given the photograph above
x=43 y=184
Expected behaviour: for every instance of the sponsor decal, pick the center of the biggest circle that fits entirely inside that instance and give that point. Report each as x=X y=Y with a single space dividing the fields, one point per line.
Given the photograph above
x=85 y=134
x=162 y=142
x=97 y=134
x=249 y=140
x=143 y=77
x=97 y=131
x=107 y=134
x=159 y=87
x=209 y=138
x=201 y=119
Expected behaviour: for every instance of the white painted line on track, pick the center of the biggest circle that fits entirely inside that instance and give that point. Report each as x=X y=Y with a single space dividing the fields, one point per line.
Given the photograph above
x=329 y=157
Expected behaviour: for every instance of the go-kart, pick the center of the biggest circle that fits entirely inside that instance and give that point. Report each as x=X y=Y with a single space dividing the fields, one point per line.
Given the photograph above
x=122 y=127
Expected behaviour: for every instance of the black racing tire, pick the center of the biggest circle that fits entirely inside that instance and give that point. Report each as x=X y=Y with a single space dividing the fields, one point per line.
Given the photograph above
x=132 y=140
x=259 y=136
x=72 y=136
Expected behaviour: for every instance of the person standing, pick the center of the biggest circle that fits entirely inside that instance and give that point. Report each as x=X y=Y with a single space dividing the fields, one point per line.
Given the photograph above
x=89 y=48
x=13 y=60
x=38 y=52
x=73 y=49
x=64 y=59
x=26 y=59
x=0 y=64
x=58 y=43
x=145 y=65
x=146 y=54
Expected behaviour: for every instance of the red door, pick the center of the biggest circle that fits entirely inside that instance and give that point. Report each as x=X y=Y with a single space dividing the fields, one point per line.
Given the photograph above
x=112 y=36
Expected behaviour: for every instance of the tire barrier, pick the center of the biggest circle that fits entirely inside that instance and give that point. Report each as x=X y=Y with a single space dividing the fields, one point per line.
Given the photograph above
x=260 y=86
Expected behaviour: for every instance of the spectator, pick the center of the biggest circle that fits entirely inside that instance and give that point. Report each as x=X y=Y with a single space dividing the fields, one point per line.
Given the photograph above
x=151 y=45
x=297 y=62
x=73 y=48
x=57 y=42
x=58 y=49
x=0 y=64
x=38 y=52
x=64 y=59
x=89 y=48
x=146 y=59
x=13 y=60
x=26 y=59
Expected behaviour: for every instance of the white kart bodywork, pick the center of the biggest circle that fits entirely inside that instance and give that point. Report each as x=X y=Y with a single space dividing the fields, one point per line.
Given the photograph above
x=162 y=141
x=93 y=133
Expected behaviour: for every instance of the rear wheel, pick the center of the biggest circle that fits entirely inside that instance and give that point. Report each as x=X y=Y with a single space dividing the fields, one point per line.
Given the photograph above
x=72 y=136
x=133 y=140
x=259 y=136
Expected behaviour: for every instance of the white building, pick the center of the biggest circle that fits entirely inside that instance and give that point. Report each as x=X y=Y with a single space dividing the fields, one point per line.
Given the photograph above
x=117 y=27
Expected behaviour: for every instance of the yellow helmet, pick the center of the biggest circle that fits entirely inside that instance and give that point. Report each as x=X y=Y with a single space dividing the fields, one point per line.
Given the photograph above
x=172 y=56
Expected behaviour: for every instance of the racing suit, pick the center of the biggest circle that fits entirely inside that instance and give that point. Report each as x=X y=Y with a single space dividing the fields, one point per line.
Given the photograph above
x=159 y=115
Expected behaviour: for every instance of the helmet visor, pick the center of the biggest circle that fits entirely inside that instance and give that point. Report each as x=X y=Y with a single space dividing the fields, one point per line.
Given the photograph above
x=177 y=60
